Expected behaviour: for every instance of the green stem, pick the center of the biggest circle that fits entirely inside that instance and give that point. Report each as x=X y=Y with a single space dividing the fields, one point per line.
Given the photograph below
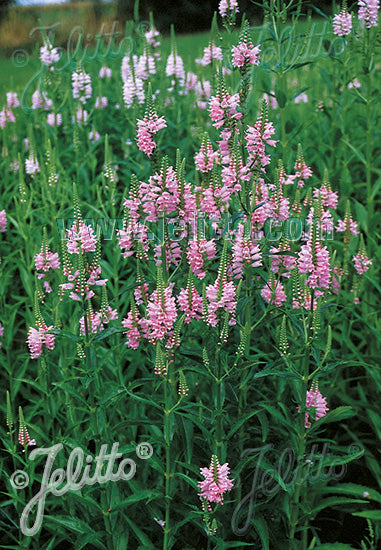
x=168 y=475
x=219 y=419
x=368 y=153
x=301 y=448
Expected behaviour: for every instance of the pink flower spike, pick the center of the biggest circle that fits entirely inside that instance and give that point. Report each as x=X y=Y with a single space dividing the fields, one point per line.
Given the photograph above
x=37 y=337
x=216 y=481
x=228 y=7
x=342 y=23
x=3 y=221
x=24 y=438
x=361 y=262
x=245 y=54
x=315 y=400
x=368 y=12
x=83 y=234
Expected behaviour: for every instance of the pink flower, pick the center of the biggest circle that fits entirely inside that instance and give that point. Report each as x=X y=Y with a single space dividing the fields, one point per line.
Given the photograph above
x=245 y=54
x=81 y=115
x=354 y=84
x=224 y=108
x=198 y=251
x=105 y=72
x=1 y=334
x=136 y=328
x=257 y=137
x=342 y=23
x=368 y=12
x=148 y=127
x=221 y=298
x=133 y=233
x=301 y=98
x=347 y=225
x=216 y=481
x=161 y=314
x=41 y=100
x=226 y=6
x=49 y=55
x=281 y=261
x=175 y=67
x=97 y=320
x=94 y=136
x=133 y=88
x=54 y=120
x=81 y=84
x=210 y=52
x=205 y=158
x=12 y=99
x=144 y=66
x=32 y=166
x=245 y=253
x=314 y=260
x=37 y=337
x=101 y=102
x=328 y=197
x=271 y=99
x=315 y=400
x=151 y=36
x=24 y=438
x=273 y=292
x=190 y=302
x=3 y=221
x=80 y=234
x=362 y=262
x=6 y=115
x=46 y=260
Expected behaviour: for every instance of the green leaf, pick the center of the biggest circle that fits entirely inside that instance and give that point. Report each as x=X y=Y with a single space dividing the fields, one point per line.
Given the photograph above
x=362 y=215
x=354 y=489
x=335 y=546
x=106 y=333
x=236 y=544
x=147 y=544
x=340 y=413
x=263 y=531
x=240 y=422
x=93 y=538
x=72 y=524
x=65 y=334
x=137 y=497
x=358 y=153
x=334 y=501
x=371 y=514
x=281 y=98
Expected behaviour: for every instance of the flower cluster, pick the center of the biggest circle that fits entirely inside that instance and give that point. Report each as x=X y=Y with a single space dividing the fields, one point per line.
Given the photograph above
x=245 y=54
x=81 y=83
x=3 y=221
x=39 y=336
x=147 y=127
x=368 y=12
x=49 y=55
x=216 y=482
x=228 y=7
x=342 y=23
x=316 y=405
x=210 y=52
